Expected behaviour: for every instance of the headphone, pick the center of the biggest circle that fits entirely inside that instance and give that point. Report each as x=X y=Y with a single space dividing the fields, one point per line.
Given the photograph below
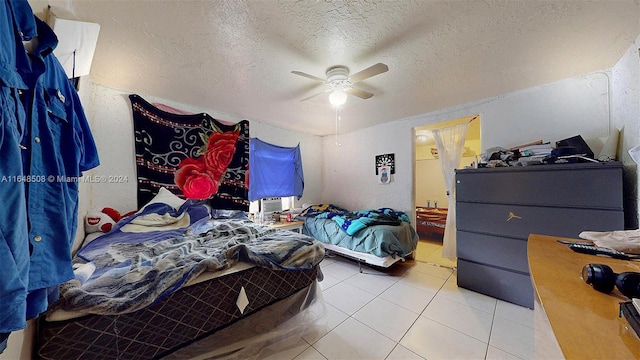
x=602 y=278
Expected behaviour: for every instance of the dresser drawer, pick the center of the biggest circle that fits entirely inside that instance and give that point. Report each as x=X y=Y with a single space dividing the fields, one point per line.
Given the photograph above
x=498 y=251
x=519 y=221
x=583 y=186
x=501 y=284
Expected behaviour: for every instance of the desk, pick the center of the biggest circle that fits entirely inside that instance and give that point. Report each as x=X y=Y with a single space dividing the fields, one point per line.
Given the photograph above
x=295 y=226
x=585 y=322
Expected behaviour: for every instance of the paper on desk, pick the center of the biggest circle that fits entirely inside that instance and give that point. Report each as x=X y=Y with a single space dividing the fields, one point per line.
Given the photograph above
x=627 y=241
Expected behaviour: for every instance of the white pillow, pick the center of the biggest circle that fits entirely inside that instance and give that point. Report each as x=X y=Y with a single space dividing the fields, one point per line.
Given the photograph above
x=166 y=197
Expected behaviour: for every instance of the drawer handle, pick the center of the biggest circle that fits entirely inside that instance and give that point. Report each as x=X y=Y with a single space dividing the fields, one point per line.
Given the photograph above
x=513 y=216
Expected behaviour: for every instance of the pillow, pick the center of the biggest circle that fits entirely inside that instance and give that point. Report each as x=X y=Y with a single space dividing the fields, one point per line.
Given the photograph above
x=165 y=196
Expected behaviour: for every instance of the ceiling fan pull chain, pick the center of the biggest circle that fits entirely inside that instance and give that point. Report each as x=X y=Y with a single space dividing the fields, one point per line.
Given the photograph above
x=337 y=124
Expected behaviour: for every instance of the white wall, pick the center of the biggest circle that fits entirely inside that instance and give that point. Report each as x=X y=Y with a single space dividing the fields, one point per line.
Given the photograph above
x=430 y=184
x=625 y=107
x=577 y=106
x=350 y=179
x=112 y=126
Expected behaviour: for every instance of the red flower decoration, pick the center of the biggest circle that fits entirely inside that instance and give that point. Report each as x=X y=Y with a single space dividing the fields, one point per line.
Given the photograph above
x=220 y=151
x=194 y=180
x=199 y=178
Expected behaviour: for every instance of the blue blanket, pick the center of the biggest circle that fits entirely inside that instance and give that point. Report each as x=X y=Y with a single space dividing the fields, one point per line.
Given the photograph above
x=155 y=252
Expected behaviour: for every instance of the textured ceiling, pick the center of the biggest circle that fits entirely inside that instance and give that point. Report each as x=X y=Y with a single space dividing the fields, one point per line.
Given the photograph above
x=236 y=57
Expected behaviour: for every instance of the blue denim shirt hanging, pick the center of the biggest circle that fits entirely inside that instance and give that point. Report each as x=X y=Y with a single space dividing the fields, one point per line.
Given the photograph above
x=58 y=146
x=14 y=249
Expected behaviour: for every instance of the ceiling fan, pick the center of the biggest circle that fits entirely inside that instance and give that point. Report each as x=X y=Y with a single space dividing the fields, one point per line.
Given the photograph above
x=340 y=83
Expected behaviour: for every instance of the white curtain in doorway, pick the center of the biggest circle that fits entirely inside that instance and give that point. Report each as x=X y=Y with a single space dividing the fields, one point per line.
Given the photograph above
x=450 y=145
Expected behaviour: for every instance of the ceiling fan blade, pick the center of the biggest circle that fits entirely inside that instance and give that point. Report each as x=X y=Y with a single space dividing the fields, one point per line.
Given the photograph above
x=314 y=95
x=359 y=93
x=373 y=70
x=308 y=76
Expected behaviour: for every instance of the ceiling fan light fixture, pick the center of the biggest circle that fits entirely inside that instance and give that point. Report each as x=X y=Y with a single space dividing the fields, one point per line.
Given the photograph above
x=338 y=98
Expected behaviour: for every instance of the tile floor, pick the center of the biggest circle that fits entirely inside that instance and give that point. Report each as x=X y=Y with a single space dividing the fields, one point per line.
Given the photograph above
x=412 y=311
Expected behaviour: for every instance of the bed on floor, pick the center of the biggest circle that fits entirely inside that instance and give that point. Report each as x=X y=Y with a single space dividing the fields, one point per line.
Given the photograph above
x=431 y=220
x=183 y=282
x=378 y=237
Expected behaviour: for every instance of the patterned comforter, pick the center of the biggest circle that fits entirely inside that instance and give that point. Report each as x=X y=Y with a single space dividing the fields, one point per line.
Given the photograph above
x=144 y=259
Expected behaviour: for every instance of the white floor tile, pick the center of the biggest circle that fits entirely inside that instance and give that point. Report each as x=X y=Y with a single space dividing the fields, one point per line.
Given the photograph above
x=470 y=321
x=432 y=340
x=515 y=313
x=377 y=315
x=333 y=318
x=451 y=291
x=402 y=353
x=373 y=282
x=437 y=258
x=513 y=338
x=422 y=281
x=340 y=270
x=497 y=354
x=310 y=354
x=409 y=297
x=347 y=298
x=389 y=319
x=432 y=269
x=328 y=281
x=354 y=340
x=453 y=278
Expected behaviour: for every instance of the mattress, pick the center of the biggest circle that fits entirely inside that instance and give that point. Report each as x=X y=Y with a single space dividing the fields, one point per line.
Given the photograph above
x=180 y=320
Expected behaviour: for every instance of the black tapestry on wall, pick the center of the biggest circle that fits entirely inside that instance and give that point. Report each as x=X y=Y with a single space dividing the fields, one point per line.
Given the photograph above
x=193 y=156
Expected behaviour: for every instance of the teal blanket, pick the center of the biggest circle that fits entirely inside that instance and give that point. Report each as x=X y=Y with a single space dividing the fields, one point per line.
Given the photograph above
x=353 y=221
x=382 y=232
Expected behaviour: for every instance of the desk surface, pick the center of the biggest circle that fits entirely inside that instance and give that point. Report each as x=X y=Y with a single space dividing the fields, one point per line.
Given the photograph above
x=584 y=321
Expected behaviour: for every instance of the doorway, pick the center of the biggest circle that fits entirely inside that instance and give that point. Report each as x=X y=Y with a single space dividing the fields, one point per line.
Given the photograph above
x=430 y=195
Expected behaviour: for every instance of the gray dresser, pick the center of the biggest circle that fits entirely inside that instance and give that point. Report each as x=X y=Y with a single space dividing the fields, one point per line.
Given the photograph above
x=497 y=209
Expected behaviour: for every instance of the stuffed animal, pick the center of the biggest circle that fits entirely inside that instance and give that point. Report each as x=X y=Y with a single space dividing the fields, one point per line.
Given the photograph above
x=101 y=221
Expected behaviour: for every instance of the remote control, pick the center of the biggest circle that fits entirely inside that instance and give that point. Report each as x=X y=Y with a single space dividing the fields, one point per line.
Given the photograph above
x=589 y=249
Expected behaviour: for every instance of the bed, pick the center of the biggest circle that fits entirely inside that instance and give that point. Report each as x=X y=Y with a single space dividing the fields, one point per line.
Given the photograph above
x=378 y=237
x=431 y=220
x=183 y=282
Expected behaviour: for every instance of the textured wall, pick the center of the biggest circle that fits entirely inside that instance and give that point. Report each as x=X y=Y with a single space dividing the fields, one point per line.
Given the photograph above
x=551 y=112
x=625 y=107
x=113 y=129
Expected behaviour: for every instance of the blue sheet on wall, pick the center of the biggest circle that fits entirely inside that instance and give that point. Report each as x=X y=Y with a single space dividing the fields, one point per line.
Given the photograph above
x=274 y=170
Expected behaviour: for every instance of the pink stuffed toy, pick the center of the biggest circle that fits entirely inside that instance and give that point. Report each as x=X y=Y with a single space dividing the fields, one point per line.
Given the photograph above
x=101 y=221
